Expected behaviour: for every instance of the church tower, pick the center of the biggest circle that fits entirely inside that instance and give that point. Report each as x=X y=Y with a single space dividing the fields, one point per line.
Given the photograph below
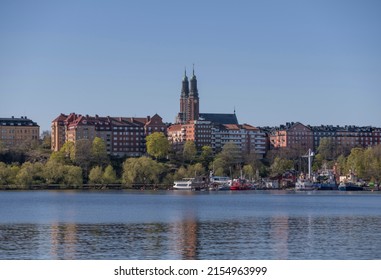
x=193 y=100
x=184 y=99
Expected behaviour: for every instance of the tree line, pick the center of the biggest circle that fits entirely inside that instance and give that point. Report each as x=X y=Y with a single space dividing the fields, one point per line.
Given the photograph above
x=87 y=162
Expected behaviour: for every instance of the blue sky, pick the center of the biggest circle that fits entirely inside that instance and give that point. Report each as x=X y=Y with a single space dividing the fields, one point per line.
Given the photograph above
x=273 y=61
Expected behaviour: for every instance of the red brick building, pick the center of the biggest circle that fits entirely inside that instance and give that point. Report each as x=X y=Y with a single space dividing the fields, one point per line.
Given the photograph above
x=124 y=136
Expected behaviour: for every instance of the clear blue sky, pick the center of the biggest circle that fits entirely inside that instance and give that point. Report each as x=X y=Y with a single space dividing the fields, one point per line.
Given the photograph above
x=317 y=62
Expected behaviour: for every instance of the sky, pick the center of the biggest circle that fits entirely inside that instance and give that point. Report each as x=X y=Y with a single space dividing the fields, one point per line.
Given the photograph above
x=272 y=61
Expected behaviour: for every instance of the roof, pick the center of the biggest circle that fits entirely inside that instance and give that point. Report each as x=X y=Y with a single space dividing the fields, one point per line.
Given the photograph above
x=219 y=118
x=23 y=121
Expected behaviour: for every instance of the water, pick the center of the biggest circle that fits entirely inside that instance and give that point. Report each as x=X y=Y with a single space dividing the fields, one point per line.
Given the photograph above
x=189 y=225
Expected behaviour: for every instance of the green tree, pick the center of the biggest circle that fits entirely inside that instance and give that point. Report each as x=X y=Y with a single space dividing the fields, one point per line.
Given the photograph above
x=157 y=145
x=30 y=173
x=54 y=172
x=327 y=149
x=109 y=175
x=232 y=154
x=96 y=175
x=83 y=154
x=142 y=170
x=280 y=165
x=99 y=152
x=189 y=151
x=65 y=155
x=356 y=162
x=4 y=174
x=248 y=171
x=228 y=161
x=72 y=176
x=206 y=156
x=341 y=165
x=195 y=170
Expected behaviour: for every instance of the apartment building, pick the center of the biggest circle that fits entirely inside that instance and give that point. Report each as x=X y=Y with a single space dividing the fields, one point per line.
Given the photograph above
x=123 y=136
x=15 y=131
x=292 y=136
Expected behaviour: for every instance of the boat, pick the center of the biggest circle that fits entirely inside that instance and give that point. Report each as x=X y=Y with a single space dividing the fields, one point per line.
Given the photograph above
x=302 y=183
x=325 y=180
x=349 y=186
x=188 y=184
x=240 y=185
x=219 y=183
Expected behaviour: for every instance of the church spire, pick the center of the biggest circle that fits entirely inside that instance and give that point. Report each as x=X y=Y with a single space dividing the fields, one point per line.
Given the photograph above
x=185 y=85
x=193 y=84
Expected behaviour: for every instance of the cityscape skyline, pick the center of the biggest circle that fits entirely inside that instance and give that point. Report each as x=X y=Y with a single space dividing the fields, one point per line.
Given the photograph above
x=274 y=62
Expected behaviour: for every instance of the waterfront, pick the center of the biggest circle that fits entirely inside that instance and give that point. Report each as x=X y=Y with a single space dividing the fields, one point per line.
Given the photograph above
x=189 y=225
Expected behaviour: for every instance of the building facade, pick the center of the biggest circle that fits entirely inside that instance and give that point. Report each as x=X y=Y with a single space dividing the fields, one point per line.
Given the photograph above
x=294 y=136
x=123 y=136
x=16 y=131
x=297 y=135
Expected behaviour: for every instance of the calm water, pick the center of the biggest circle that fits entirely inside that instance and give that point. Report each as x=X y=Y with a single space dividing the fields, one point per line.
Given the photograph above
x=189 y=225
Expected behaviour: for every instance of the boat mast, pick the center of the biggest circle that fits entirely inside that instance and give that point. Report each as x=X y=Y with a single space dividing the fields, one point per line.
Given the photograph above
x=310 y=155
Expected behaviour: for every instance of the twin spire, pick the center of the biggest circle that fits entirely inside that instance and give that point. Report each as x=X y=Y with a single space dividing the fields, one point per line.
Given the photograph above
x=185 y=92
x=185 y=73
x=189 y=100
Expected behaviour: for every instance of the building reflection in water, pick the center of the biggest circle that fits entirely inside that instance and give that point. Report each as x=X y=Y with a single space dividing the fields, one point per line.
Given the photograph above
x=185 y=241
x=63 y=240
x=279 y=235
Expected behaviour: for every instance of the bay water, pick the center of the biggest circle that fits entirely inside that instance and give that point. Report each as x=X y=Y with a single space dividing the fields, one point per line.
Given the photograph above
x=182 y=225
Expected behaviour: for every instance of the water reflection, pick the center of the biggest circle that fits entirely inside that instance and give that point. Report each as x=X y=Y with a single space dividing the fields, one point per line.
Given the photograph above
x=129 y=225
x=257 y=238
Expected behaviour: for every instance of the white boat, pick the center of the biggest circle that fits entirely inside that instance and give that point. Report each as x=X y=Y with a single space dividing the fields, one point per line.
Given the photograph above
x=306 y=184
x=188 y=184
x=219 y=183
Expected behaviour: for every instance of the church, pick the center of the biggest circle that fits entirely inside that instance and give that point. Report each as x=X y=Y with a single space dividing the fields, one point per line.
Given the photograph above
x=210 y=129
x=190 y=105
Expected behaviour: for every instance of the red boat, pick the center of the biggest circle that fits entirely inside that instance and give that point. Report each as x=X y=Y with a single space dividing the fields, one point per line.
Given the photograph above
x=240 y=185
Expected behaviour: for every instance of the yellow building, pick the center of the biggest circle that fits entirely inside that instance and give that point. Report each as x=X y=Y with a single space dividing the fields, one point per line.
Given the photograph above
x=15 y=131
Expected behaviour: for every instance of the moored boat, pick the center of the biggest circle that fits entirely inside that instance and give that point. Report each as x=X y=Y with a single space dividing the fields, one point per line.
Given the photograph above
x=219 y=183
x=188 y=184
x=349 y=186
x=240 y=185
x=304 y=185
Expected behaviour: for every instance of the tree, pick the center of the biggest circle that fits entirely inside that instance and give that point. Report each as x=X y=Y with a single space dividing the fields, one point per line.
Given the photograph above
x=109 y=176
x=228 y=161
x=142 y=170
x=280 y=165
x=99 y=152
x=72 y=176
x=248 y=171
x=189 y=151
x=231 y=153
x=30 y=173
x=206 y=156
x=82 y=154
x=341 y=165
x=327 y=148
x=4 y=174
x=54 y=172
x=356 y=162
x=157 y=145
x=46 y=139
x=96 y=175
x=195 y=170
